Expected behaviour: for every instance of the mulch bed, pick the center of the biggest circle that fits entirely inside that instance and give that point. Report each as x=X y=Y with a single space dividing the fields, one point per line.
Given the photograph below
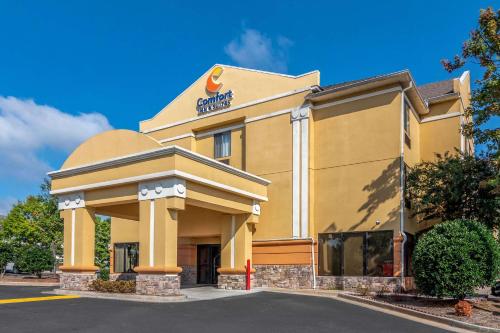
x=29 y=278
x=485 y=313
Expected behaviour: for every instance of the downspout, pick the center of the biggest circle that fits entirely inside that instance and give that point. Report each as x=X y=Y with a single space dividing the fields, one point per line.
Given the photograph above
x=401 y=187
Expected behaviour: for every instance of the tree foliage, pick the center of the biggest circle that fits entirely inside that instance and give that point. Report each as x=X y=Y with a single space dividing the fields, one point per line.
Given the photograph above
x=6 y=255
x=454 y=258
x=102 y=240
x=454 y=187
x=483 y=48
x=34 y=259
x=35 y=221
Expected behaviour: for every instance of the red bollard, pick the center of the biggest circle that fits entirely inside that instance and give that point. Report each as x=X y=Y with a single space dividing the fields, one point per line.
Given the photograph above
x=248 y=274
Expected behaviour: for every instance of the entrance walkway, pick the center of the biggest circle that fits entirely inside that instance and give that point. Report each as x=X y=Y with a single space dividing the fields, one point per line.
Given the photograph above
x=189 y=294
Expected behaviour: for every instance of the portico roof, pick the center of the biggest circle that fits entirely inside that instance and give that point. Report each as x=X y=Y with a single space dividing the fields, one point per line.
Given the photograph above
x=114 y=167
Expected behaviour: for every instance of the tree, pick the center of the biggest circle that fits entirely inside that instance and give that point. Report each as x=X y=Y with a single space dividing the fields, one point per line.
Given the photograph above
x=483 y=48
x=34 y=259
x=455 y=187
x=6 y=256
x=35 y=221
x=102 y=239
x=454 y=258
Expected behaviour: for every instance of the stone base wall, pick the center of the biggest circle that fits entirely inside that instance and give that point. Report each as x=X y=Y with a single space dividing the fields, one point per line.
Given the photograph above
x=234 y=281
x=76 y=281
x=391 y=284
x=158 y=284
x=283 y=276
x=188 y=275
x=122 y=276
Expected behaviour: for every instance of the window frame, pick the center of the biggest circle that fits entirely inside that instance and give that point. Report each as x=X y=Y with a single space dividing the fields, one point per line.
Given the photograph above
x=221 y=134
x=124 y=257
x=342 y=236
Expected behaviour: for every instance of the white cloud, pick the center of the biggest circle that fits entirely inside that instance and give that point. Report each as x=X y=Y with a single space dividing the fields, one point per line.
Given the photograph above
x=6 y=204
x=27 y=128
x=255 y=50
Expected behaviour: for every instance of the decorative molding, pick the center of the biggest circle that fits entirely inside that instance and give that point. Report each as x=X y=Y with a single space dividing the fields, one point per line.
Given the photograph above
x=149 y=154
x=300 y=113
x=355 y=98
x=304 y=169
x=219 y=130
x=237 y=107
x=151 y=233
x=233 y=234
x=178 y=137
x=73 y=227
x=463 y=76
x=443 y=116
x=246 y=121
x=256 y=208
x=268 y=115
x=163 y=174
x=71 y=200
x=295 y=178
x=162 y=188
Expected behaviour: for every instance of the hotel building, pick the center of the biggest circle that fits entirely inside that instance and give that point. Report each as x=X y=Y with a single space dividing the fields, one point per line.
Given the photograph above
x=304 y=180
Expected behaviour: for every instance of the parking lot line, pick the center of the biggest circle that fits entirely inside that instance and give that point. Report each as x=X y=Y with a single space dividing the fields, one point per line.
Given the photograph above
x=36 y=299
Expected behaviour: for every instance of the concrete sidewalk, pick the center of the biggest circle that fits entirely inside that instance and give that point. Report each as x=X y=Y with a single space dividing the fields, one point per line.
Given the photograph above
x=189 y=294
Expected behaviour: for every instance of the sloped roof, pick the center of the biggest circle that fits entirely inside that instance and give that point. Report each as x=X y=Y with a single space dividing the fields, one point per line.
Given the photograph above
x=435 y=89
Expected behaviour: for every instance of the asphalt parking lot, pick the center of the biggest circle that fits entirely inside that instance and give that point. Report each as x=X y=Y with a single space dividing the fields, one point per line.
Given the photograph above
x=258 y=312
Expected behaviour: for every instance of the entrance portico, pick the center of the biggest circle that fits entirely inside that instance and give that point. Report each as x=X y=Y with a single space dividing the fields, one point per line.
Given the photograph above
x=128 y=175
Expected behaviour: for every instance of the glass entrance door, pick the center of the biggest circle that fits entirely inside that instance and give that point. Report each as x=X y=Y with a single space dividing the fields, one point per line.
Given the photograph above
x=208 y=258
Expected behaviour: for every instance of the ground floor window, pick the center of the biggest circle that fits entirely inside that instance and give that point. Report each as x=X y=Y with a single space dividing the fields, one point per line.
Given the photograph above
x=356 y=253
x=126 y=257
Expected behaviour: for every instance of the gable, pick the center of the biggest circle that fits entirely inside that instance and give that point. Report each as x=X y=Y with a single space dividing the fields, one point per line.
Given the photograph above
x=224 y=87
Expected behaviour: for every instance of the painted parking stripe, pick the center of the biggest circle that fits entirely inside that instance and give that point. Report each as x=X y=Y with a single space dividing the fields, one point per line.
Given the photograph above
x=36 y=299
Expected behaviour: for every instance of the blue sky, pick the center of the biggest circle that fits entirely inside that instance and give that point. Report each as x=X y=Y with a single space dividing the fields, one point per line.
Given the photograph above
x=71 y=69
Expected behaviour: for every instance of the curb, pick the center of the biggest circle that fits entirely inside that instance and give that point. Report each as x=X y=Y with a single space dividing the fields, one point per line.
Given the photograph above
x=419 y=314
x=119 y=297
x=29 y=284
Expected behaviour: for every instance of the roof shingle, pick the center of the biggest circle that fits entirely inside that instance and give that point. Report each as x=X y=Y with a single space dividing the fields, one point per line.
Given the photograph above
x=435 y=89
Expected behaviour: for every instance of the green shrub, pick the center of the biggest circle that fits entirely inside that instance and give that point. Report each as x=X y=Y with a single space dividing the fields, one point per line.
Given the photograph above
x=104 y=274
x=454 y=258
x=6 y=256
x=123 y=287
x=34 y=259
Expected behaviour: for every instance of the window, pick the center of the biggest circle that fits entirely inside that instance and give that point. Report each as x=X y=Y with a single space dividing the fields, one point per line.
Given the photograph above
x=330 y=253
x=406 y=124
x=222 y=143
x=406 y=119
x=356 y=254
x=126 y=257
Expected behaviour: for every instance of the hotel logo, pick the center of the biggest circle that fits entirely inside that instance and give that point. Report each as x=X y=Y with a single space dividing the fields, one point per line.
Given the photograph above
x=216 y=100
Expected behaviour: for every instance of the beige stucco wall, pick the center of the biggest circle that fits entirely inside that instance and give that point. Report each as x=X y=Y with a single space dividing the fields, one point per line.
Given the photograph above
x=439 y=137
x=354 y=151
x=247 y=86
x=356 y=165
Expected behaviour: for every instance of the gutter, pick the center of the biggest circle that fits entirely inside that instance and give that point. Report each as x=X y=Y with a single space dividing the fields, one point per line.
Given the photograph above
x=402 y=187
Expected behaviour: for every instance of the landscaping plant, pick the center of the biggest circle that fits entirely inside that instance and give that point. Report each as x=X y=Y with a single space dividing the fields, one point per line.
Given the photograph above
x=124 y=287
x=34 y=259
x=6 y=256
x=454 y=258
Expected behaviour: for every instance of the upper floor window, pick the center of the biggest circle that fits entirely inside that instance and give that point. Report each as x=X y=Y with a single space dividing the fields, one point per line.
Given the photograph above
x=406 y=119
x=222 y=143
x=406 y=124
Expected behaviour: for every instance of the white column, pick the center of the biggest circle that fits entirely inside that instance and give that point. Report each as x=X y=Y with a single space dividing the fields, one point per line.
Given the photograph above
x=152 y=233
x=304 y=187
x=73 y=222
x=233 y=232
x=296 y=178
